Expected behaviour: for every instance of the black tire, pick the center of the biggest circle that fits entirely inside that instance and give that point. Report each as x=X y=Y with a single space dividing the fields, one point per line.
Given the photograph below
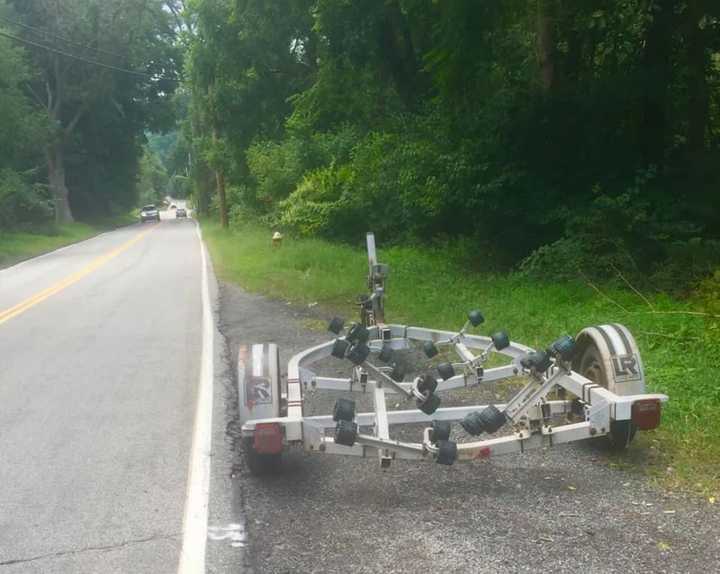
x=589 y=364
x=260 y=464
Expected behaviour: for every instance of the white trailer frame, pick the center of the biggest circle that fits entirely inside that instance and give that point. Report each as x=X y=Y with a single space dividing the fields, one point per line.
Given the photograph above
x=531 y=415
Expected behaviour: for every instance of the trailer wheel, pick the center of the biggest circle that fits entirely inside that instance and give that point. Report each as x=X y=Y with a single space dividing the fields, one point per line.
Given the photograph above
x=260 y=396
x=260 y=464
x=590 y=364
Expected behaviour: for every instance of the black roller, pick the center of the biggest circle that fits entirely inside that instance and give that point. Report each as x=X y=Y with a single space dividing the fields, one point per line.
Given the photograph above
x=537 y=360
x=501 y=340
x=398 y=372
x=446 y=371
x=358 y=353
x=344 y=410
x=430 y=349
x=429 y=405
x=427 y=384
x=476 y=318
x=494 y=419
x=447 y=452
x=336 y=325
x=358 y=334
x=340 y=347
x=472 y=423
x=386 y=354
x=440 y=431
x=488 y=420
x=563 y=348
x=346 y=433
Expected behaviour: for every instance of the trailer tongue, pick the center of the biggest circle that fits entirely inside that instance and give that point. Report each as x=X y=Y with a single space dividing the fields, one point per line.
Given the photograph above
x=590 y=386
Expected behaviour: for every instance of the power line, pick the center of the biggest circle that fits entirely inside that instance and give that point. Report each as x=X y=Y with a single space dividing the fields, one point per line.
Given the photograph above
x=41 y=32
x=85 y=60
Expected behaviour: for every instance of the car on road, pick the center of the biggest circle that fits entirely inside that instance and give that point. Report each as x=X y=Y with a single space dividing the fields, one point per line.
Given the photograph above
x=180 y=212
x=173 y=206
x=149 y=213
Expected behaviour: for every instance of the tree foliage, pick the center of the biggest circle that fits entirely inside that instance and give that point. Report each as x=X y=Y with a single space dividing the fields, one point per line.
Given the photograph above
x=573 y=135
x=100 y=74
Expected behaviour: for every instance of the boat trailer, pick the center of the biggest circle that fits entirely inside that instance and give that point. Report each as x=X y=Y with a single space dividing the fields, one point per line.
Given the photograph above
x=584 y=387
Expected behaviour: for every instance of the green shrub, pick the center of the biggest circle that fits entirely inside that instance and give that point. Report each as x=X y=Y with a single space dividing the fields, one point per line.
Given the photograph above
x=276 y=168
x=22 y=202
x=320 y=206
x=628 y=234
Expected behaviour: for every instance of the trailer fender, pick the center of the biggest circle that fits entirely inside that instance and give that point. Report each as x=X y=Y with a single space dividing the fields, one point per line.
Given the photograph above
x=260 y=397
x=608 y=355
x=259 y=382
x=615 y=347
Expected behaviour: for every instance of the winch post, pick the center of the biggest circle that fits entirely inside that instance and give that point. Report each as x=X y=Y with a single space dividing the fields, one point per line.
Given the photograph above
x=377 y=274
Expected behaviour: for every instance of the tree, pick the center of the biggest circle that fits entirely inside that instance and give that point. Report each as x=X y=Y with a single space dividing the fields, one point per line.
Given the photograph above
x=17 y=116
x=22 y=201
x=592 y=125
x=95 y=57
x=246 y=59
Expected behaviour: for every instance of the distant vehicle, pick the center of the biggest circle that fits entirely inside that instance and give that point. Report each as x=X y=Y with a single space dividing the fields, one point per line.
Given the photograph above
x=149 y=213
x=181 y=212
x=173 y=206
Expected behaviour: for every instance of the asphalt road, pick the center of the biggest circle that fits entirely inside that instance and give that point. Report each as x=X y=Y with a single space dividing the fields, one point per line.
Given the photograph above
x=98 y=381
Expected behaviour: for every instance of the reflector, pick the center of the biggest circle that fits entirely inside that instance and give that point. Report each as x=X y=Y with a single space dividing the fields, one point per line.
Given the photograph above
x=268 y=438
x=646 y=414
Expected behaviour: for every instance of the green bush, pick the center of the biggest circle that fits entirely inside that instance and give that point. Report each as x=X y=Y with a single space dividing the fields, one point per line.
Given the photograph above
x=276 y=167
x=628 y=234
x=390 y=182
x=320 y=205
x=22 y=202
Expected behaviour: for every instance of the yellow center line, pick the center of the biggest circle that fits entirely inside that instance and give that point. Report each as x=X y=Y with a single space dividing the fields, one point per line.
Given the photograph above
x=63 y=284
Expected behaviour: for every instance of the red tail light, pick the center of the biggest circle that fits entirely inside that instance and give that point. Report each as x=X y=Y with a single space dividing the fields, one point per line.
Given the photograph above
x=268 y=438
x=646 y=414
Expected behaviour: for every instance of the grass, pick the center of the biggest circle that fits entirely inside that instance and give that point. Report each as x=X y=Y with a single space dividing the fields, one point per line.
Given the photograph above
x=681 y=351
x=19 y=245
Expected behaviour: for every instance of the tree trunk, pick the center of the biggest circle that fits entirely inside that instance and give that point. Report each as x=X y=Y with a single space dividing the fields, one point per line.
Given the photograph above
x=698 y=101
x=56 y=180
x=219 y=168
x=220 y=178
x=399 y=54
x=658 y=76
x=545 y=45
x=203 y=187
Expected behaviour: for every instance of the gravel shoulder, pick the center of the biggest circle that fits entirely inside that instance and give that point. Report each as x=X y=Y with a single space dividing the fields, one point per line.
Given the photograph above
x=556 y=510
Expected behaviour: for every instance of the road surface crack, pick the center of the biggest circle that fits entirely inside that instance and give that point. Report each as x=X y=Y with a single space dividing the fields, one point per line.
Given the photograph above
x=105 y=548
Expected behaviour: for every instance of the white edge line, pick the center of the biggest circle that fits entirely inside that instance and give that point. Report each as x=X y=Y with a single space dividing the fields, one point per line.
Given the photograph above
x=195 y=520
